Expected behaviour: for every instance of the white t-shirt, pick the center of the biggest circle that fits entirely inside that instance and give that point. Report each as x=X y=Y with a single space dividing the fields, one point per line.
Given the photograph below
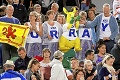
x=104 y=27
x=70 y=34
x=53 y=31
x=33 y=37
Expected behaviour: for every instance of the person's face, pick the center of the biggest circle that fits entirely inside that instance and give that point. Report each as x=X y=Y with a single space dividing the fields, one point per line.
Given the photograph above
x=54 y=8
x=22 y=53
x=38 y=9
x=91 y=56
x=46 y=54
x=102 y=49
x=32 y=17
x=60 y=19
x=36 y=67
x=38 y=19
x=91 y=14
x=51 y=16
x=80 y=75
x=9 y=11
x=74 y=64
x=110 y=61
x=89 y=66
x=16 y=1
x=106 y=10
x=83 y=18
x=33 y=77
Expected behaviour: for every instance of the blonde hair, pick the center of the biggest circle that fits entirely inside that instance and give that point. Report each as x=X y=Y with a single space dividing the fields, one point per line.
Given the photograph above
x=36 y=5
x=107 y=57
x=86 y=62
x=9 y=6
x=32 y=61
x=63 y=18
x=83 y=13
x=33 y=13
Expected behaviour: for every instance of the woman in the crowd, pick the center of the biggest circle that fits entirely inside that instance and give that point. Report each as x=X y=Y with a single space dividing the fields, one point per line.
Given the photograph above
x=37 y=8
x=100 y=52
x=90 y=70
x=61 y=19
x=107 y=72
x=39 y=18
x=86 y=44
x=91 y=16
x=34 y=41
x=33 y=68
x=79 y=74
x=52 y=31
x=46 y=53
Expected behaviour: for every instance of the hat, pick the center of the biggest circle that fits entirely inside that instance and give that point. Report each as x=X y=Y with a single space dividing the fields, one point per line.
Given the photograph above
x=58 y=54
x=9 y=62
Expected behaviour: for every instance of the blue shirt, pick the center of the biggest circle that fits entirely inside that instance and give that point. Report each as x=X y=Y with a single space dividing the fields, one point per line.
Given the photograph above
x=9 y=20
x=10 y=75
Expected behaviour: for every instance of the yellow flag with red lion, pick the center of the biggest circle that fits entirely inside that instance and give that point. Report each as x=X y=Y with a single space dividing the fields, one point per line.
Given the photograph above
x=13 y=34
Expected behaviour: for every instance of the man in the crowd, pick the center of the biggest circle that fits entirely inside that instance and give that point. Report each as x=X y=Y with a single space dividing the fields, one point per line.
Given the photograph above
x=9 y=74
x=107 y=27
x=55 y=8
x=57 y=70
x=2 y=11
x=37 y=8
x=9 y=51
x=20 y=11
x=74 y=65
x=89 y=55
x=22 y=62
x=92 y=7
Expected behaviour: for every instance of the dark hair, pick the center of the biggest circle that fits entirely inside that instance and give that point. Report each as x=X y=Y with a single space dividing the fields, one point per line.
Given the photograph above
x=21 y=48
x=36 y=75
x=91 y=10
x=99 y=44
x=91 y=5
x=88 y=52
x=76 y=71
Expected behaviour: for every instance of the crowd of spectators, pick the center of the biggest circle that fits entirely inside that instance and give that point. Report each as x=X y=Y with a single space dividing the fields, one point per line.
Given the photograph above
x=41 y=58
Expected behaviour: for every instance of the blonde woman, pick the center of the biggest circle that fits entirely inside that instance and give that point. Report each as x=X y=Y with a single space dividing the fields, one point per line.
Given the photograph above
x=34 y=41
x=85 y=43
x=33 y=68
x=107 y=72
